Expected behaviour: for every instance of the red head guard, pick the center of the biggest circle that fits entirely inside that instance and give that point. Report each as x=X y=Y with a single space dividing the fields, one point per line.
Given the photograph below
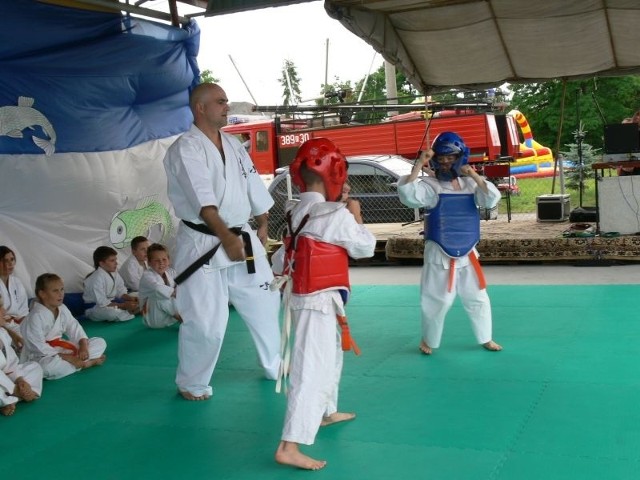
x=324 y=159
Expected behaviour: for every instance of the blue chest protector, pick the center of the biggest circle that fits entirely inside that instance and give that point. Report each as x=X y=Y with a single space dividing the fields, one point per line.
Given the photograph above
x=454 y=224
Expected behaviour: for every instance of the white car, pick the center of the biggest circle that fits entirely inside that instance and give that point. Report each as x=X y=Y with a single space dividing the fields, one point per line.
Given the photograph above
x=373 y=180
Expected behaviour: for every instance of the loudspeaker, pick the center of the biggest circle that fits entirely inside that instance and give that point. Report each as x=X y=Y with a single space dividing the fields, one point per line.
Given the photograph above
x=553 y=208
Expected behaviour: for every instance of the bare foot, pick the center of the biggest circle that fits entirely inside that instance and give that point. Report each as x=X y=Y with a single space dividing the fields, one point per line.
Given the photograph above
x=337 y=417
x=8 y=410
x=424 y=348
x=96 y=361
x=492 y=346
x=24 y=391
x=192 y=397
x=289 y=454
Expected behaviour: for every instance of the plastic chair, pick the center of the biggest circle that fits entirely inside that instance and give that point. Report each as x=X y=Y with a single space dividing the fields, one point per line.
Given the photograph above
x=500 y=175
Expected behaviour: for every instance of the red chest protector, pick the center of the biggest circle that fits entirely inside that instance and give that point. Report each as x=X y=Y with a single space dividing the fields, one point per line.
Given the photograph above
x=317 y=265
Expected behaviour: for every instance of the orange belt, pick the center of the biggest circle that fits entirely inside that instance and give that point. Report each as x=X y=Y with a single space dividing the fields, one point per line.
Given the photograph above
x=348 y=343
x=476 y=266
x=66 y=344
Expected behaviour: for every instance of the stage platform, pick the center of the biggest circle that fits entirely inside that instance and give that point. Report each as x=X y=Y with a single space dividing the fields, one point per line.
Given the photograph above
x=524 y=239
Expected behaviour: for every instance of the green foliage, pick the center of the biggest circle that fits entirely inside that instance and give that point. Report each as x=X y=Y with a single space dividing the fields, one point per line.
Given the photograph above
x=206 y=76
x=290 y=96
x=375 y=90
x=541 y=103
x=580 y=170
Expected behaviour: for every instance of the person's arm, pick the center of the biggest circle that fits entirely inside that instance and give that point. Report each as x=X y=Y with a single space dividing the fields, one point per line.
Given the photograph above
x=263 y=225
x=232 y=243
x=421 y=163
x=17 y=340
x=469 y=171
x=353 y=206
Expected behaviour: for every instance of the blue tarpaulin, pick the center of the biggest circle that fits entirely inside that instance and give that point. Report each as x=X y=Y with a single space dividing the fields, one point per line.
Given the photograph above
x=97 y=81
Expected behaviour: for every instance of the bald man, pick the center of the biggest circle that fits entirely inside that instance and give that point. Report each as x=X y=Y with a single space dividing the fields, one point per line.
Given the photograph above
x=215 y=190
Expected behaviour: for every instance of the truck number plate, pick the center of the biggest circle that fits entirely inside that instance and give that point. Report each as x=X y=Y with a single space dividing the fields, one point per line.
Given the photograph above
x=293 y=139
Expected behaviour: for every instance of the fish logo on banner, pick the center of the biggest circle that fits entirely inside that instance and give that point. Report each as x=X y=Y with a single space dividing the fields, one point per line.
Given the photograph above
x=13 y=120
x=128 y=224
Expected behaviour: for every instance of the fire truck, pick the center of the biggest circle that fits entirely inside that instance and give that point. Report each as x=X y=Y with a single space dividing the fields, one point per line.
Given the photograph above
x=273 y=143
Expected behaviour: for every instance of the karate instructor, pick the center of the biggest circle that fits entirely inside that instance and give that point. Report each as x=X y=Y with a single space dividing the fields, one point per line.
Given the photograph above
x=215 y=190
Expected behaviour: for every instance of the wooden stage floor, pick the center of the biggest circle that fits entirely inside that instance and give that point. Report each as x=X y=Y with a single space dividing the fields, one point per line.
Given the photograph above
x=524 y=239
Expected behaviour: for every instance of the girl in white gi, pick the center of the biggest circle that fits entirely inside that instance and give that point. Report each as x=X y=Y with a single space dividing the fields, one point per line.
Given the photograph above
x=105 y=288
x=323 y=231
x=452 y=191
x=18 y=381
x=215 y=189
x=13 y=294
x=53 y=337
x=157 y=292
x=134 y=266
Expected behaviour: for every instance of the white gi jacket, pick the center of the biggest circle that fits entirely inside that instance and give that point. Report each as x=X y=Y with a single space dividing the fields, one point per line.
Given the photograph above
x=156 y=300
x=131 y=272
x=102 y=287
x=15 y=300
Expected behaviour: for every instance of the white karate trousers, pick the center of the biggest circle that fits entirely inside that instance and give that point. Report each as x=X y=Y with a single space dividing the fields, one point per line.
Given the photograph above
x=160 y=313
x=203 y=302
x=108 y=314
x=316 y=368
x=55 y=367
x=436 y=301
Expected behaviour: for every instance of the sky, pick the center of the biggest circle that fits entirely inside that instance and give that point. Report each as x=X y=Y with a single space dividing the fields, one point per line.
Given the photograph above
x=259 y=41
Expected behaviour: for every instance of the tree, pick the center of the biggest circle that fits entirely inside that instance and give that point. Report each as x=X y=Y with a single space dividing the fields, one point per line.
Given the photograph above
x=374 y=93
x=290 y=83
x=541 y=103
x=206 y=76
x=579 y=159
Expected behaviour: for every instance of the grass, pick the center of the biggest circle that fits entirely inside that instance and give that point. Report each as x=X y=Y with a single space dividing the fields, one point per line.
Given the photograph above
x=530 y=188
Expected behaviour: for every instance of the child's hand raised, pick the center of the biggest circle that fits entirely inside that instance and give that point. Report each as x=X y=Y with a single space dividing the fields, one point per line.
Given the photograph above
x=354 y=207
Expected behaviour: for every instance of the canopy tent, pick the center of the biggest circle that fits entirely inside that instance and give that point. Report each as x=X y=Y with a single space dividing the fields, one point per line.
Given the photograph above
x=440 y=44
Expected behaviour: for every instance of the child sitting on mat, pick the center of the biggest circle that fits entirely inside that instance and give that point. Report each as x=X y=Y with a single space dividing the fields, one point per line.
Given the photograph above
x=18 y=381
x=53 y=337
x=105 y=288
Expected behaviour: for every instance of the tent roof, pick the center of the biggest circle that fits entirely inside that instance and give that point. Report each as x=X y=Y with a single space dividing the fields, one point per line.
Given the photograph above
x=480 y=43
x=440 y=44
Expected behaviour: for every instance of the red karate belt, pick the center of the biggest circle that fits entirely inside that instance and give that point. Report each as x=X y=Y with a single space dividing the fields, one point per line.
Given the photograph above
x=348 y=343
x=66 y=344
x=476 y=266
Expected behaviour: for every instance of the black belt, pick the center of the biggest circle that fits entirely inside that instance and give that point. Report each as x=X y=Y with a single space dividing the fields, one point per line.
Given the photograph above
x=248 y=250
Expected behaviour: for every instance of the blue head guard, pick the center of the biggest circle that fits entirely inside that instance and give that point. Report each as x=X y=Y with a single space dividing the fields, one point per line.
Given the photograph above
x=449 y=143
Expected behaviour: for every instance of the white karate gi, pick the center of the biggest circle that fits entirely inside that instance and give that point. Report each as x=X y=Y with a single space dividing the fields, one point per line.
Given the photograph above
x=198 y=177
x=42 y=326
x=131 y=272
x=10 y=365
x=435 y=299
x=316 y=363
x=156 y=299
x=101 y=288
x=16 y=302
